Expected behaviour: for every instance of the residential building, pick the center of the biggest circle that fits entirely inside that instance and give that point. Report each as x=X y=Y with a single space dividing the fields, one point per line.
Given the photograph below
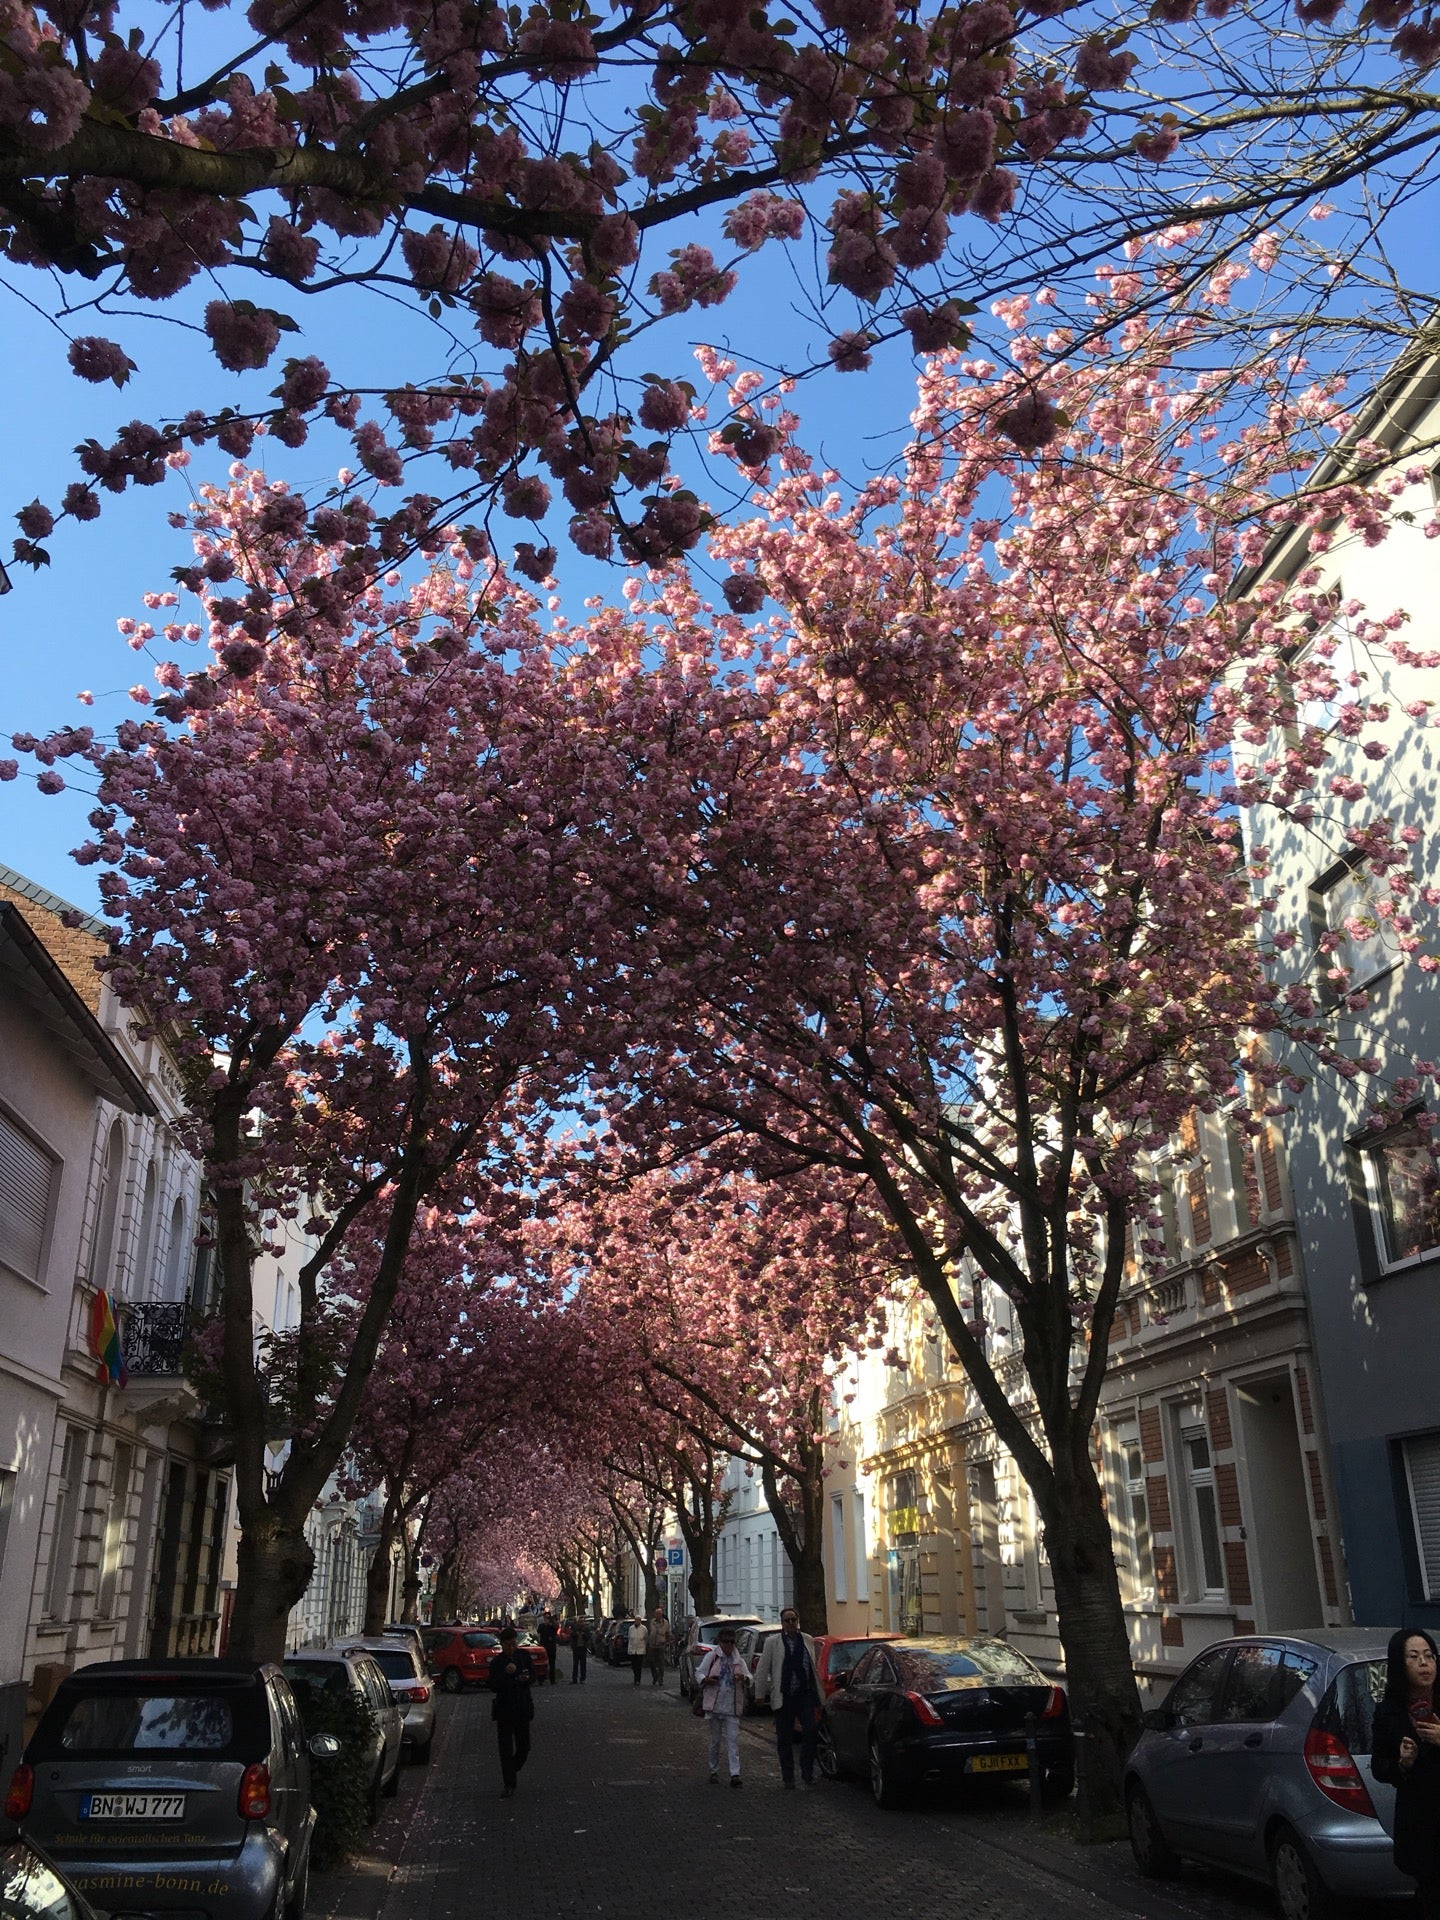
x=752 y=1572
x=1367 y=1196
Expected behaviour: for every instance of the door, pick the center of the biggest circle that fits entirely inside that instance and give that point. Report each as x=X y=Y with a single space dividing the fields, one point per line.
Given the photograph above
x=1240 y=1749
x=1176 y=1758
x=1282 y=1538
x=849 y=1710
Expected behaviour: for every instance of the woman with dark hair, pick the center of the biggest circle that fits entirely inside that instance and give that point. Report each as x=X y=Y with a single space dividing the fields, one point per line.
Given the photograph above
x=1407 y=1755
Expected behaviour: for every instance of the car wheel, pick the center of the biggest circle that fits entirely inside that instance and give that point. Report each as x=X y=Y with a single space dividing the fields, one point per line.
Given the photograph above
x=826 y=1758
x=1301 y=1892
x=392 y=1786
x=300 y=1894
x=882 y=1778
x=450 y=1680
x=1153 y=1855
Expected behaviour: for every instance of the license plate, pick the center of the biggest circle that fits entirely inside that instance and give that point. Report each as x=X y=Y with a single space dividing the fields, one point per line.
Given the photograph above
x=132 y=1806
x=997 y=1763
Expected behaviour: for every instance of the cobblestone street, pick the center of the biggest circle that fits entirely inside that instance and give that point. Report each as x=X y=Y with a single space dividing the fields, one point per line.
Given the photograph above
x=614 y=1816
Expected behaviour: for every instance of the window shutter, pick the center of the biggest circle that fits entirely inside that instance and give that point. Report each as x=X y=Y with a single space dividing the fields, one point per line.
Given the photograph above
x=26 y=1173
x=1422 y=1469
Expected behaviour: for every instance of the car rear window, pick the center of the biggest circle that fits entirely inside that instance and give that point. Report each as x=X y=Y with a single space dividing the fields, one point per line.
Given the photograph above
x=207 y=1722
x=480 y=1640
x=317 y=1676
x=395 y=1666
x=946 y=1670
x=1348 y=1708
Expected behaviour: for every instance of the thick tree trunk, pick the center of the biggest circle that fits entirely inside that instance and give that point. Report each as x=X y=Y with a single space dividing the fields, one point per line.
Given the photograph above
x=1099 y=1673
x=378 y=1574
x=802 y=1532
x=702 y=1587
x=275 y=1565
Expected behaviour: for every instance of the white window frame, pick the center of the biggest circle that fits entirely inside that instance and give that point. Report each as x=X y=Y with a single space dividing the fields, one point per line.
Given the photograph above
x=117 y=1527
x=1199 y=1498
x=1367 y=958
x=837 y=1546
x=862 y=1552
x=69 y=1485
x=1423 y=1487
x=1136 y=1557
x=1380 y=1199
x=1343 y=662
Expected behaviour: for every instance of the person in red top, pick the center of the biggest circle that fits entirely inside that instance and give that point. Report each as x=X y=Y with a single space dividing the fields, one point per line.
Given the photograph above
x=1406 y=1753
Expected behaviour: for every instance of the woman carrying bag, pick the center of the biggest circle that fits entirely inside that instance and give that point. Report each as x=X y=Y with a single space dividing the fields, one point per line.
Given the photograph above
x=722 y=1677
x=1407 y=1755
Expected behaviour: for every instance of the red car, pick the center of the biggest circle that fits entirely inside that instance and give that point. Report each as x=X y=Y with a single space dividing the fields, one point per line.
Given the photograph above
x=836 y=1654
x=460 y=1656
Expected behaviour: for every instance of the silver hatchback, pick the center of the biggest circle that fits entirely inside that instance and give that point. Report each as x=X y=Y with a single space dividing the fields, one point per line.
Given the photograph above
x=1259 y=1761
x=411 y=1688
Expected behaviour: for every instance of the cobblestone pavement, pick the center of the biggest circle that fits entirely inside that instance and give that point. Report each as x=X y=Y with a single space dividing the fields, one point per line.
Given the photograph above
x=614 y=1816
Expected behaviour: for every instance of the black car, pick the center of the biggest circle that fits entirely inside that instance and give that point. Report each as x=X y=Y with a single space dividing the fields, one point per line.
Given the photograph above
x=916 y=1711
x=174 y=1786
x=33 y=1888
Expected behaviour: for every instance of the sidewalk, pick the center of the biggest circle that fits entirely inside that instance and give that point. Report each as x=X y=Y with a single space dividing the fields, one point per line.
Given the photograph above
x=614 y=1816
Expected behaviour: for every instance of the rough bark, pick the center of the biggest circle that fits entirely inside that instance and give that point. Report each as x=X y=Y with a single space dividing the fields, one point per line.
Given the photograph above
x=274 y=1568
x=801 y=1524
x=377 y=1575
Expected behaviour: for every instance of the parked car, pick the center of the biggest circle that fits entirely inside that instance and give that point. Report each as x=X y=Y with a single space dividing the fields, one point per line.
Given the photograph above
x=406 y=1630
x=410 y=1688
x=703 y=1633
x=617 y=1637
x=945 y=1709
x=341 y=1669
x=836 y=1654
x=460 y=1656
x=186 y=1782
x=750 y=1644
x=1259 y=1761
x=539 y=1658
x=33 y=1888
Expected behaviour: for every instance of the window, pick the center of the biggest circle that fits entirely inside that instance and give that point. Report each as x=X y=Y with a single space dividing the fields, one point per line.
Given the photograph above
x=1328 y=673
x=175 y=1254
x=1239 y=1162
x=1402 y=1184
x=102 y=1254
x=862 y=1557
x=27 y=1180
x=115 y=1520
x=1207 y=1563
x=67 y=1510
x=1422 y=1480
x=7 y=1504
x=837 y=1545
x=1134 y=1555
x=1169 y=1204
x=1193 y=1694
x=1353 y=905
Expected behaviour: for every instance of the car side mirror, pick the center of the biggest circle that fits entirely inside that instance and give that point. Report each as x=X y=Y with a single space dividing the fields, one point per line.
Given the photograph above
x=1157 y=1720
x=324 y=1746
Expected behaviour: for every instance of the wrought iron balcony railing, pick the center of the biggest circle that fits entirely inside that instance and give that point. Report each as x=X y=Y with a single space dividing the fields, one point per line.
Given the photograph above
x=153 y=1334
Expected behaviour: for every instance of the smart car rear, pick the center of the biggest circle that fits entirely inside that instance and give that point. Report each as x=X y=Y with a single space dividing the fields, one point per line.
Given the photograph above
x=173 y=1786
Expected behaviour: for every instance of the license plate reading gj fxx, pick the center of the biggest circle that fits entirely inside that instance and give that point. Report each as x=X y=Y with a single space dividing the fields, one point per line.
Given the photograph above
x=132 y=1806
x=998 y=1763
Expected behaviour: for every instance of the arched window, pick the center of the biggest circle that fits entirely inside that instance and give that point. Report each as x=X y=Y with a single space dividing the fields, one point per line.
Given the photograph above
x=175 y=1254
x=145 y=1242
x=112 y=1179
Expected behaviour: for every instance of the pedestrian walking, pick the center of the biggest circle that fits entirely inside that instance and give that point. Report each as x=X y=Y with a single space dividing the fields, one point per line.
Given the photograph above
x=786 y=1682
x=1406 y=1755
x=579 y=1649
x=512 y=1681
x=657 y=1646
x=636 y=1641
x=547 y=1632
x=722 y=1677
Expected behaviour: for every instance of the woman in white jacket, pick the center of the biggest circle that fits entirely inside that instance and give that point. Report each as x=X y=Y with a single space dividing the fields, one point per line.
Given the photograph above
x=722 y=1677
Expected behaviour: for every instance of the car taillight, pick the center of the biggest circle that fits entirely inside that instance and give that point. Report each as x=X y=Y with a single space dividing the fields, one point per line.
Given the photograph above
x=1055 y=1705
x=254 y=1796
x=22 y=1792
x=1328 y=1760
x=924 y=1712
x=420 y=1693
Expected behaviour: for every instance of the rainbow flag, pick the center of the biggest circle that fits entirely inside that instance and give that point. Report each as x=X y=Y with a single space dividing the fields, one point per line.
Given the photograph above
x=105 y=1340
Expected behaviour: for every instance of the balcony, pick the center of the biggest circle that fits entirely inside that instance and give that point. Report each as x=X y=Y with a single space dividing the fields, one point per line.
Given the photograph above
x=153 y=1334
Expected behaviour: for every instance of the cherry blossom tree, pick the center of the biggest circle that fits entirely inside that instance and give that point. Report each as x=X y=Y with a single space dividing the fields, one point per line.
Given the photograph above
x=727 y=1302
x=960 y=901
x=354 y=866
x=513 y=173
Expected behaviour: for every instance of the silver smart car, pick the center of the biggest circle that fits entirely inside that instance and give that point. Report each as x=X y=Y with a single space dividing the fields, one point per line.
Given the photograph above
x=174 y=1785
x=1259 y=1761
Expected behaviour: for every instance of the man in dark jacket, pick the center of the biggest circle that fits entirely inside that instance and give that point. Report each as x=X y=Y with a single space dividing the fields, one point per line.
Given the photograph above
x=512 y=1677
x=547 y=1632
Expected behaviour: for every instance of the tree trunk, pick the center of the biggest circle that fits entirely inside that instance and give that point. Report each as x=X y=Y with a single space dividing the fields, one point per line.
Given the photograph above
x=802 y=1534
x=702 y=1587
x=446 y=1592
x=275 y=1565
x=378 y=1574
x=1099 y=1673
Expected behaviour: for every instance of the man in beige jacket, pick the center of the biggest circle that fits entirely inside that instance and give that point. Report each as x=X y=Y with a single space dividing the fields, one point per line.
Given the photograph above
x=657 y=1646
x=786 y=1682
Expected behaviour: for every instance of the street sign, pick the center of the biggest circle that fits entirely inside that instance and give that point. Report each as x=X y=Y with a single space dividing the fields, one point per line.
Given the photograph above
x=677 y=1556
